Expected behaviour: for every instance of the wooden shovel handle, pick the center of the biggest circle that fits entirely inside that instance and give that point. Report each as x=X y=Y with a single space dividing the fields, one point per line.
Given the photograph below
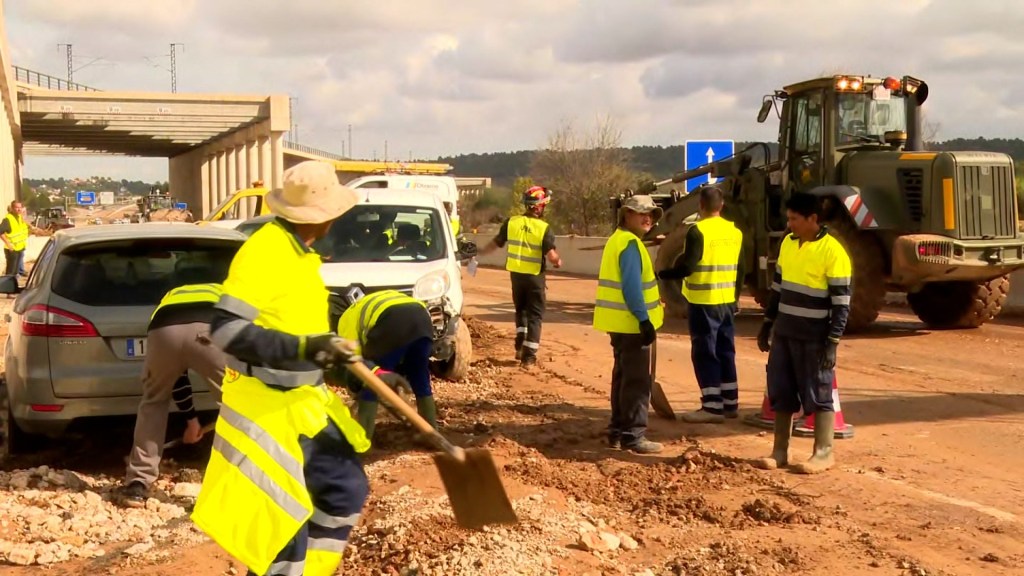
x=381 y=389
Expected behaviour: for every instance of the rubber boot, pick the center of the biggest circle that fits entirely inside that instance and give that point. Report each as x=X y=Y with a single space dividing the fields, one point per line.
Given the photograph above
x=428 y=409
x=822 y=459
x=780 y=448
x=520 y=337
x=366 y=415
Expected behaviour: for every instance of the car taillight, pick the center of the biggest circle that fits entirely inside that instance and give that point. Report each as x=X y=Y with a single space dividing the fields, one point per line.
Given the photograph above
x=42 y=320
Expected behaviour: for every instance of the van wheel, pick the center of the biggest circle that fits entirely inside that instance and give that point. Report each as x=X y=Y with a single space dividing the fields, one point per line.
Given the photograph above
x=456 y=367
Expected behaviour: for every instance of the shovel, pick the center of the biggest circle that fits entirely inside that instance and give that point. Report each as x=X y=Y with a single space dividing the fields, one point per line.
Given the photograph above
x=658 y=399
x=470 y=476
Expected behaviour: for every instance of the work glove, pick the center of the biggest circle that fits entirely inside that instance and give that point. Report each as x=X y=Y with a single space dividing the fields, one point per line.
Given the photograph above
x=670 y=274
x=324 y=350
x=395 y=381
x=764 y=337
x=648 y=332
x=828 y=356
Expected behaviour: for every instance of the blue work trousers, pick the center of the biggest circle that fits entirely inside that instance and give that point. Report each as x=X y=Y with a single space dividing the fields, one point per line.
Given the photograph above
x=713 y=352
x=411 y=361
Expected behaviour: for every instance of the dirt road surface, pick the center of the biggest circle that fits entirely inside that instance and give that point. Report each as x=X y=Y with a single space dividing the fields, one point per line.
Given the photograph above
x=931 y=483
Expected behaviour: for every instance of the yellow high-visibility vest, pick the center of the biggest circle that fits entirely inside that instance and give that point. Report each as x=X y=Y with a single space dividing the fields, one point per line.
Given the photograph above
x=714 y=279
x=810 y=279
x=523 y=246
x=190 y=294
x=18 y=236
x=611 y=314
x=455 y=225
x=253 y=498
x=357 y=320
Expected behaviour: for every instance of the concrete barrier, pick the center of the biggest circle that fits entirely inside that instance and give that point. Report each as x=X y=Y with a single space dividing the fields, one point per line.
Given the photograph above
x=588 y=263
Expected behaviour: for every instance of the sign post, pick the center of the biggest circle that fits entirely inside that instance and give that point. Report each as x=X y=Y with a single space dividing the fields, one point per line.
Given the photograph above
x=701 y=152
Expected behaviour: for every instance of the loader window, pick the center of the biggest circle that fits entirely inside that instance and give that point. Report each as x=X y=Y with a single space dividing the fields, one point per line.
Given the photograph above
x=805 y=150
x=865 y=119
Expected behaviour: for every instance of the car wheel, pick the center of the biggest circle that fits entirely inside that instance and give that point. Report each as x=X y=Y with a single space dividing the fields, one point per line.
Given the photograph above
x=12 y=440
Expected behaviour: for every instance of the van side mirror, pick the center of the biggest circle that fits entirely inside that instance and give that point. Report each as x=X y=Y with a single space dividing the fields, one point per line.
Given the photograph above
x=467 y=249
x=9 y=285
x=766 y=107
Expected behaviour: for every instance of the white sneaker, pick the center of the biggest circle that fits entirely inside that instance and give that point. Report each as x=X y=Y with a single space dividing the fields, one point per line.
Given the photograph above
x=702 y=417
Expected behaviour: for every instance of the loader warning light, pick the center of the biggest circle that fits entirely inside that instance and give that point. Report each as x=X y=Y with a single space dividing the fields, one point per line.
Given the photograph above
x=849 y=83
x=891 y=83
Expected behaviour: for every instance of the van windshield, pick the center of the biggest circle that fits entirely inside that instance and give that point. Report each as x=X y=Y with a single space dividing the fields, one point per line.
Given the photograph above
x=375 y=233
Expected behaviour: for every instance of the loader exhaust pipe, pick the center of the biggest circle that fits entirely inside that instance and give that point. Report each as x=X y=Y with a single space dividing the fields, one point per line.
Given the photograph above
x=915 y=120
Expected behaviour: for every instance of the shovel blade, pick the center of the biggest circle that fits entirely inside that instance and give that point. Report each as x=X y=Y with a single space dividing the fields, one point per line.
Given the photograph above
x=660 y=402
x=474 y=489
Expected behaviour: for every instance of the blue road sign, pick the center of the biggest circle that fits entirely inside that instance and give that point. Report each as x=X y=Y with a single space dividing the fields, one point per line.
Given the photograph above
x=181 y=206
x=700 y=152
x=85 y=197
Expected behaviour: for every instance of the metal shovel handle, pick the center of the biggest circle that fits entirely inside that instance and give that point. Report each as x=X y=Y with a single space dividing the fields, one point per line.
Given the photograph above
x=392 y=399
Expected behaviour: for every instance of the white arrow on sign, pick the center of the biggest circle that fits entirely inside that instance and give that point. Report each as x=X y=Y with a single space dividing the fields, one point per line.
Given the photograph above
x=710 y=154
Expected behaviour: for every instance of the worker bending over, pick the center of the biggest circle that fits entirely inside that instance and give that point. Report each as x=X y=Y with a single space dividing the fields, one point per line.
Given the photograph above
x=628 y=308
x=393 y=331
x=808 y=306
x=284 y=485
x=528 y=241
x=712 y=273
x=178 y=340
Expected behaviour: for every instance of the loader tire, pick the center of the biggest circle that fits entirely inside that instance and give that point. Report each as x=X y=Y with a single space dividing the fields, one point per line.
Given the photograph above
x=959 y=304
x=669 y=253
x=868 y=263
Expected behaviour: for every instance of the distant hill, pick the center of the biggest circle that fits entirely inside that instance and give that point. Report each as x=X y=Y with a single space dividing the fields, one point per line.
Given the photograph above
x=662 y=161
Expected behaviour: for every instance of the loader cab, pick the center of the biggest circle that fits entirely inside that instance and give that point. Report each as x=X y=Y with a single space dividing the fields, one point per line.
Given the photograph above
x=822 y=120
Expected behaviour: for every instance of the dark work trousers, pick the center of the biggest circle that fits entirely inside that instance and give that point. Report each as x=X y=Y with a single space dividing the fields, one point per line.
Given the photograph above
x=411 y=361
x=15 y=261
x=713 y=352
x=528 y=298
x=631 y=388
x=338 y=487
x=795 y=379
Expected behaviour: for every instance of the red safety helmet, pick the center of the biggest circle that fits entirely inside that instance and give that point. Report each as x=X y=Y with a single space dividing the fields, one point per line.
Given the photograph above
x=538 y=196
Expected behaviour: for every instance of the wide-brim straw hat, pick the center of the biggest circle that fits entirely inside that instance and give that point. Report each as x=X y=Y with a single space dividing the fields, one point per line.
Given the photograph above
x=311 y=194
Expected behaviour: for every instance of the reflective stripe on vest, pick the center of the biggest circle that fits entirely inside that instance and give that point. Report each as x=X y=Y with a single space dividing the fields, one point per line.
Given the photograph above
x=713 y=281
x=812 y=278
x=254 y=497
x=190 y=294
x=524 y=243
x=611 y=314
x=357 y=320
x=18 y=236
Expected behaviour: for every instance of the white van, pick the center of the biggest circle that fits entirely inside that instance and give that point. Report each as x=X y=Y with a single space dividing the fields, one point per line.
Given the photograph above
x=444 y=187
x=400 y=240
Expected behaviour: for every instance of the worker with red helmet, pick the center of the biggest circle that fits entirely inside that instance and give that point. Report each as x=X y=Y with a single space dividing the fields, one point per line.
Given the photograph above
x=528 y=241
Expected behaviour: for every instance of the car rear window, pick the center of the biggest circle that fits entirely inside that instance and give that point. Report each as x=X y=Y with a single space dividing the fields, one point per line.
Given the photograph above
x=138 y=272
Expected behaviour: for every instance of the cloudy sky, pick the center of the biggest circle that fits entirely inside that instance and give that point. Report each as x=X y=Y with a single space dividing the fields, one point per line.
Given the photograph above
x=437 y=77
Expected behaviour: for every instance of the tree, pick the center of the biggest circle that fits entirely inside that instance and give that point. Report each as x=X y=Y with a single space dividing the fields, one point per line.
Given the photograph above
x=583 y=169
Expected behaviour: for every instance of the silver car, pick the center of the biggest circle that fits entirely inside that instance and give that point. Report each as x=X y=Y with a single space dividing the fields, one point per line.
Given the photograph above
x=77 y=330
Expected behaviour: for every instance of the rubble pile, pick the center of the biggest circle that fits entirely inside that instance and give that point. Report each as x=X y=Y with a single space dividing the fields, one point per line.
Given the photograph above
x=51 y=516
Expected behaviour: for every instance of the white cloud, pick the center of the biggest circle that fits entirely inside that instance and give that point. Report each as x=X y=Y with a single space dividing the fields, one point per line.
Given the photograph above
x=449 y=76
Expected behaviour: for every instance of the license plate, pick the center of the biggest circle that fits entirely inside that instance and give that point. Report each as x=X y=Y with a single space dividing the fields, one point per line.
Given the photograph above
x=135 y=347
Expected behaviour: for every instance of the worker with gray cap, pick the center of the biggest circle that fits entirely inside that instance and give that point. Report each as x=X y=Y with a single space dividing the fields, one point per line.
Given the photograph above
x=628 y=307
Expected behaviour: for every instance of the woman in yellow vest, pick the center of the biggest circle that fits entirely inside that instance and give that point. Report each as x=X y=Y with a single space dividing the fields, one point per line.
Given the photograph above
x=628 y=308
x=712 y=273
x=528 y=241
x=284 y=485
x=14 y=233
